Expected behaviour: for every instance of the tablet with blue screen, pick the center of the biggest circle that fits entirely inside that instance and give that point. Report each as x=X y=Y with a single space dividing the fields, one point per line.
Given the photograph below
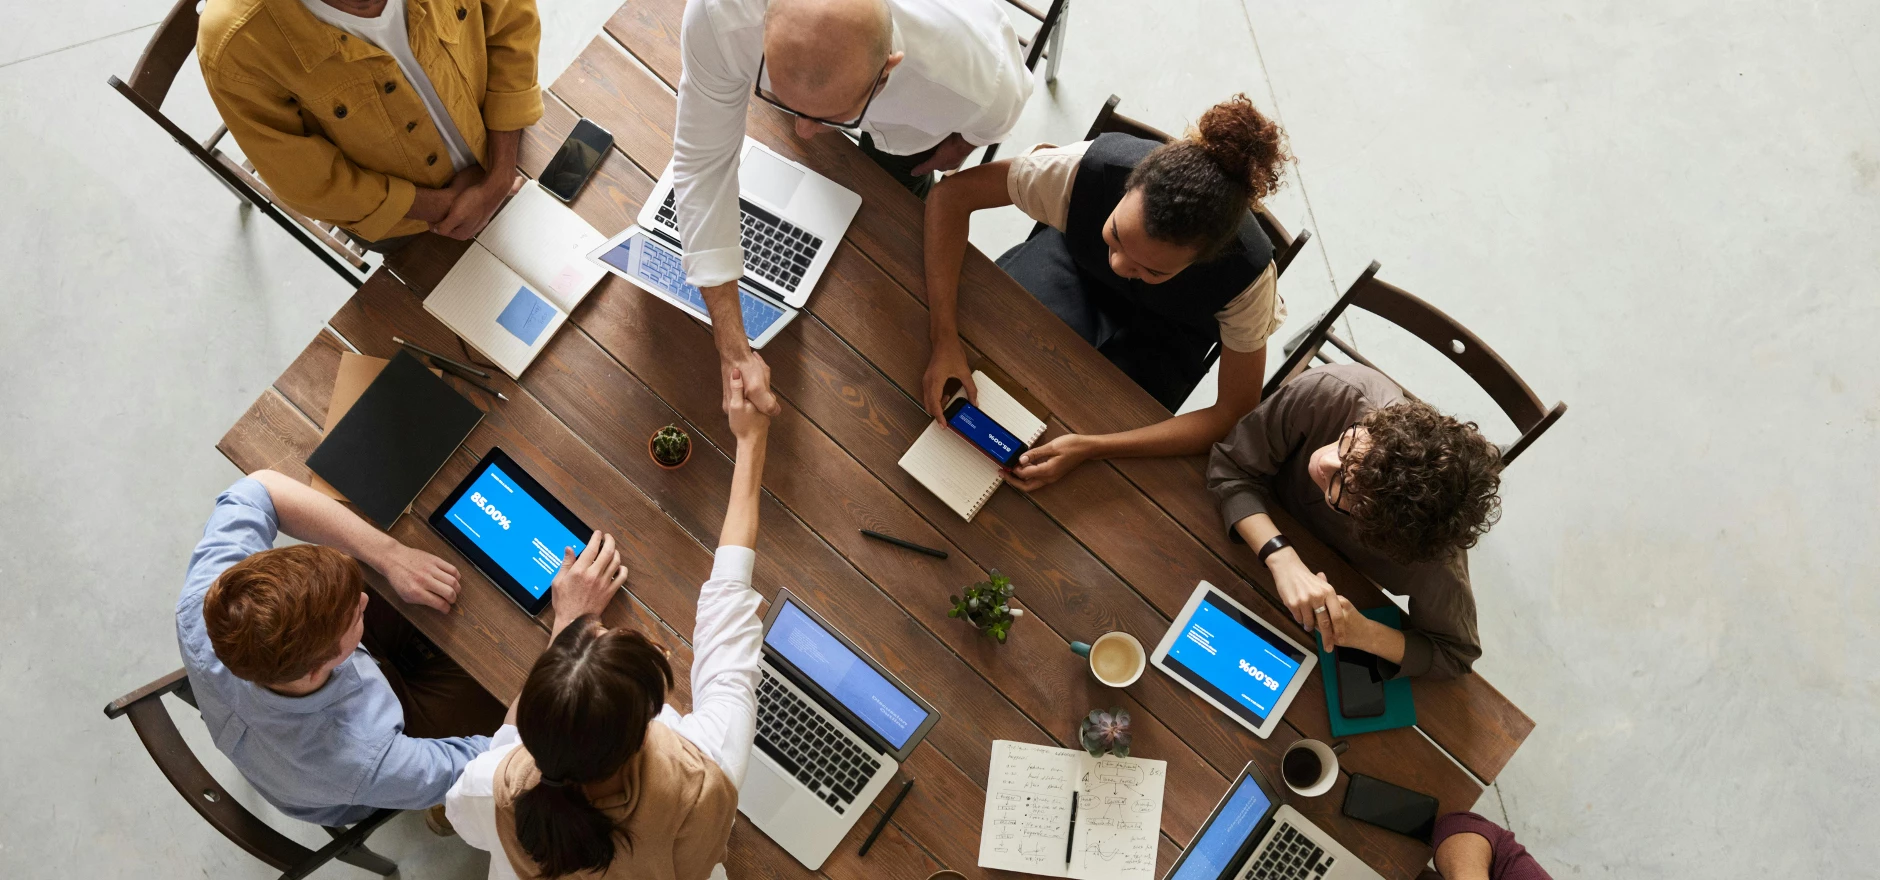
x=659 y=270
x=510 y=528
x=1233 y=659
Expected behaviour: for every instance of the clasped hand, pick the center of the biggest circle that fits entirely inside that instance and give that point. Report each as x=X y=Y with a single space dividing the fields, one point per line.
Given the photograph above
x=474 y=198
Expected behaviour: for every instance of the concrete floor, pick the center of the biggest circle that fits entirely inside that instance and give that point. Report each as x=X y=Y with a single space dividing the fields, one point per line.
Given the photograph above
x=1663 y=213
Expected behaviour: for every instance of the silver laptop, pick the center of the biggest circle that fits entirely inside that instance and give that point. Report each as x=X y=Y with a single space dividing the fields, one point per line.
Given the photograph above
x=793 y=218
x=832 y=728
x=1252 y=836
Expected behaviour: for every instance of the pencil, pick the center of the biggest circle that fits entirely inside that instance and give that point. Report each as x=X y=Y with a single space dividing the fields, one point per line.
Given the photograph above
x=447 y=366
x=885 y=816
x=432 y=354
x=937 y=554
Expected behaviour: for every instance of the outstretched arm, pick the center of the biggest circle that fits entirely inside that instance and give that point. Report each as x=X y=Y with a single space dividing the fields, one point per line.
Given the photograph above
x=417 y=576
x=950 y=209
x=752 y=428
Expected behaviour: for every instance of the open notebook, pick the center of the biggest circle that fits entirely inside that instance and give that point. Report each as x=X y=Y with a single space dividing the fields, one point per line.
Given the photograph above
x=956 y=471
x=519 y=280
x=1029 y=824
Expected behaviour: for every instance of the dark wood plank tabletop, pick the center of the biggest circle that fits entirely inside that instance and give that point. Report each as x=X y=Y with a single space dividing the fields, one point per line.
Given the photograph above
x=1113 y=546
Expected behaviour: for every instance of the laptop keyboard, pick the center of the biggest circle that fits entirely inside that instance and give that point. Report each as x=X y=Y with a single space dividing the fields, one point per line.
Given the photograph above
x=825 y=759
x=775 y=249
x=1289 y=855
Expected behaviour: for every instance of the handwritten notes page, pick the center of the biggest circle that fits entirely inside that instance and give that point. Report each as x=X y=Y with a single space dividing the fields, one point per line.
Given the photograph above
x=1028 y=813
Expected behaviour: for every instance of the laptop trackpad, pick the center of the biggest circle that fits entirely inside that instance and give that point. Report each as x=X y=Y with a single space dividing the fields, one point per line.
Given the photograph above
x=764 y=794
x=770 y=180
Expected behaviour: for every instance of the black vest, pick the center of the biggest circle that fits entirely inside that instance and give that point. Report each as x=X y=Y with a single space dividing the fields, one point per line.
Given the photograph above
x=1189 y=299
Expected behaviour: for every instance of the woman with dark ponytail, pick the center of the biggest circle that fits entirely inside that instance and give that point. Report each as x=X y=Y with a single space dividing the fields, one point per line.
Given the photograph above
x=1149 y=251
x=593 y=774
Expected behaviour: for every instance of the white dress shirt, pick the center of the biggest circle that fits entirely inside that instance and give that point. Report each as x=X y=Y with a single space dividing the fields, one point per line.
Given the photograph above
x=388 y=32
x=727 y=644
x=963 y=73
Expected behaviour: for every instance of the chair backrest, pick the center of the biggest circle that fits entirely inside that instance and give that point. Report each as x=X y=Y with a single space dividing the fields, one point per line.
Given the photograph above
x=1286 y=246
x=164 y=55
x=1426 y=322
x=210 y=800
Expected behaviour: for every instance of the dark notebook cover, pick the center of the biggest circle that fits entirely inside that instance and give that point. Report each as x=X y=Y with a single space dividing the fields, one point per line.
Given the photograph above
x=402 y=430
x=1400 y=709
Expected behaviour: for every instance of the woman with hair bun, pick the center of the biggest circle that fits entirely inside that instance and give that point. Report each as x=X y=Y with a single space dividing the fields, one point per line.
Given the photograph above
x=1149 y=251
x=594 y=774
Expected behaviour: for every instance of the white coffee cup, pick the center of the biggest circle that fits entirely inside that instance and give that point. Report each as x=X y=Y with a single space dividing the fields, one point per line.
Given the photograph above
x=1328 y=767
x=1116 y=658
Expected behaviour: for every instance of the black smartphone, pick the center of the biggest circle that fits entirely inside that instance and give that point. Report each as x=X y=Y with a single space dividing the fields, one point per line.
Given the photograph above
x=1360 y=684
x=1392 y=807
x=575 y=162
x=985 y=434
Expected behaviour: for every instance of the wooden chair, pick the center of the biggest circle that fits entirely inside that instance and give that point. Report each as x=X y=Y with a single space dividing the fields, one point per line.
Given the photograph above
x=1440 y=332
x=171 y=45
x=1048 y=41
x=210 y=800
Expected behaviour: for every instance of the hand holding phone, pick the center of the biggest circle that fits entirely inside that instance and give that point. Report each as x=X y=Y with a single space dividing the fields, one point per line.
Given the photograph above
x=986 y=435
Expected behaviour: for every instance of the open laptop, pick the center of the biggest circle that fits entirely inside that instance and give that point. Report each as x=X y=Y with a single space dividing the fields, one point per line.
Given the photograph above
x=1252 y=836
x=793 y=218
x=832 y=728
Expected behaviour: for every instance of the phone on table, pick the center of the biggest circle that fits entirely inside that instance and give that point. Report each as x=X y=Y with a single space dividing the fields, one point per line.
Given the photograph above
x=985 y=434
x=576 y=160
x=1391 y=807
x=1360 y=684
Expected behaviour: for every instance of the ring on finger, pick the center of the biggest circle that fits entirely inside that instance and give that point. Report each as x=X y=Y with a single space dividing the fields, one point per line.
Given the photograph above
x=1319 y=612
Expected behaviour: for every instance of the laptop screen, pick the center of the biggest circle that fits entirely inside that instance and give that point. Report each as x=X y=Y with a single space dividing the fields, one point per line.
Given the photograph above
x=1212 y=853
x=846 y=677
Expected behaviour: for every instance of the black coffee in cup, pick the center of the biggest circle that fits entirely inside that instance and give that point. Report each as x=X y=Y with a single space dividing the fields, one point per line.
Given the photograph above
x=1301 y=767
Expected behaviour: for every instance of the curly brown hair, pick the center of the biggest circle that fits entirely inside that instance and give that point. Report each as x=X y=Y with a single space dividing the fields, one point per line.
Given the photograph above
x=1196 y=190
x=1425 y=487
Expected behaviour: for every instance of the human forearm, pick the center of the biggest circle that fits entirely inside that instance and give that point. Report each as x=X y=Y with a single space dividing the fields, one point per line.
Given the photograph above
x=504 y=150
x=721 y=301
x=943 y=251
x=431 y=205
x=1186 y=434
x=747 y=476
x=313 y=517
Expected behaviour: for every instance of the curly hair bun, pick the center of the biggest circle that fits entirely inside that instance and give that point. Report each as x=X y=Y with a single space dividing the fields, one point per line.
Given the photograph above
x=1249 y=148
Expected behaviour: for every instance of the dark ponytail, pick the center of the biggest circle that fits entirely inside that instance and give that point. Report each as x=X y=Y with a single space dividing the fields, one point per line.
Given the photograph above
x=1195 y=190
x=583 y=713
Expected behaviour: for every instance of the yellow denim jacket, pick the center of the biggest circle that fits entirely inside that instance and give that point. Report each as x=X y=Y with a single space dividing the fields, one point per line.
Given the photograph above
x=330 y=122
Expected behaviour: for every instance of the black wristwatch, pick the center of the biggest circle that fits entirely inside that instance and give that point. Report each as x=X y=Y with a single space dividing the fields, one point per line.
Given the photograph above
x=1277 y=543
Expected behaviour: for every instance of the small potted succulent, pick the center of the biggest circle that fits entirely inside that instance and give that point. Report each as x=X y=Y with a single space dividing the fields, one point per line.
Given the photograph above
x=987 y=605
x=1105 y=733
x=670 y=447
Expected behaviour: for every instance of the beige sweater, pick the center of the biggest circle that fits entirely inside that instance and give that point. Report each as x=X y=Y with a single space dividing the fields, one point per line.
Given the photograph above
x=675 y=803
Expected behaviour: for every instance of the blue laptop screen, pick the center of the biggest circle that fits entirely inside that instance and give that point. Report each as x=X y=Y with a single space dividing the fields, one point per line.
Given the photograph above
x=1211 y=854
x=848 y=678
x=1227 y=654
x=651 y=264
x=514 y=529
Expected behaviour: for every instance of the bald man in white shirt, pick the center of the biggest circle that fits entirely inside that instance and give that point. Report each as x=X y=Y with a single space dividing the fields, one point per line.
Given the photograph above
x=922 y=82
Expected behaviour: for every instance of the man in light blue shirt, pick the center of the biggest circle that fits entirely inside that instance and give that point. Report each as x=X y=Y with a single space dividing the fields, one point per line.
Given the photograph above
x=325 y=729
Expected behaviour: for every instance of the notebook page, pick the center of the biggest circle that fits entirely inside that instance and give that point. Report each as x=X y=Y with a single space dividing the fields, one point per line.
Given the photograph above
x=952 y=469
x=1119 y=817
x=1028 y=808
x=547 y=244
x=1006 y=410
x=494 y=310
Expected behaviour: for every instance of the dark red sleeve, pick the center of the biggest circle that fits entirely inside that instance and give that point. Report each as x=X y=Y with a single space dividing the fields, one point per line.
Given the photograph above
x=1511 y=860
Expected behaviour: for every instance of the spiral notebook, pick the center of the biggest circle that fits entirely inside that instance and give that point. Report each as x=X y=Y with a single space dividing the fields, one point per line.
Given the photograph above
x=952 y=468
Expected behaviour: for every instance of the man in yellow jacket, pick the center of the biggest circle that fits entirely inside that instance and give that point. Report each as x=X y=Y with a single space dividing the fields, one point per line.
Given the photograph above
x=387 y=117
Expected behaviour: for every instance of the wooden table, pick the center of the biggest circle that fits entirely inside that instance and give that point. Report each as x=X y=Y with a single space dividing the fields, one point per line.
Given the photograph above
x=1113 y=546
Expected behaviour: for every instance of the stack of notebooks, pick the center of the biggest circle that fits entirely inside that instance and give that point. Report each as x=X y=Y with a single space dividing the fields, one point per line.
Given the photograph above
x=952 y=468
x=520 y=280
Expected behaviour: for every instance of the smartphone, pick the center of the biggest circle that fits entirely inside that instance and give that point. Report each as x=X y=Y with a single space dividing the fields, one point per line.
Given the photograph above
x=1360 y=684
x=985 y=434
x=1391 y=807
x=575 y=162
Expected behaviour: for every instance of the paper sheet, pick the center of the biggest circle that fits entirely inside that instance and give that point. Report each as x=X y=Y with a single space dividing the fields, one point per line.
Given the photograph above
x=1028 y=813
x=547 y=244
x=473 y=296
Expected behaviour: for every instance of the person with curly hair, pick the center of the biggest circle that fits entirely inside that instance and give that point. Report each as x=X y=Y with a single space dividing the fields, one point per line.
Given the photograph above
x=1148 y=251
x=1396 y=487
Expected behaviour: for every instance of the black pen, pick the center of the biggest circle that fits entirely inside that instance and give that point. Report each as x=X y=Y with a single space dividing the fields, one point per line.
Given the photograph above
x=1071 y=834
x=448 y=367
x=937 y=554
x=432 y=354
x=885 y=816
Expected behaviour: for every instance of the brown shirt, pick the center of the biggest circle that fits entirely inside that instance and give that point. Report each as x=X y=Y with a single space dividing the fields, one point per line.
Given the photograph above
x=675 y=803
x=1262 y=464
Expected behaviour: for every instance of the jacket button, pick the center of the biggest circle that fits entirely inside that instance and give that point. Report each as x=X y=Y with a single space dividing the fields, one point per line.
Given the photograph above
x=431 y=159
x=391 y=87
x=461 y=13
x=410 y=125
x=342 y=37
x=339 y=112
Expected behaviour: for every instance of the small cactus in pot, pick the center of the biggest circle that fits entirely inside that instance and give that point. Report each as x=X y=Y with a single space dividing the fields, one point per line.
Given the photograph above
x=1105 y=733
x=670 y=447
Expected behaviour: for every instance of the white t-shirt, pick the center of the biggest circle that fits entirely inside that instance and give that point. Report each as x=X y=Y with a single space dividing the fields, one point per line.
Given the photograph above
x=387 y=32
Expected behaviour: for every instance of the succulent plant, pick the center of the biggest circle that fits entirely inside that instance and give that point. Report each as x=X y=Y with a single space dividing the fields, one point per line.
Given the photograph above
x=1105 y=732
x=671 y=445
x=987 y=605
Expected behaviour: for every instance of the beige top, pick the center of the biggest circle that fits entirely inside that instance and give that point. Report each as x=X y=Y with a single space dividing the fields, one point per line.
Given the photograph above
x=1039 y=182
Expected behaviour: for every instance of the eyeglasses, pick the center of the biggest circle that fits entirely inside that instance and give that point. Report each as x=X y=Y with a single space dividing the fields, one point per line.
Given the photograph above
x=757 y=89
x=1335 y=493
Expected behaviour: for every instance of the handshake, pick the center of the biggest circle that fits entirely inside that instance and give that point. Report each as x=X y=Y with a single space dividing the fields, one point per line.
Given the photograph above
x=750 y=421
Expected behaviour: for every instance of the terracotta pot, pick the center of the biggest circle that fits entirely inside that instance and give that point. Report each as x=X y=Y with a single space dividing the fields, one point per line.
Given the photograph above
x=663 y=465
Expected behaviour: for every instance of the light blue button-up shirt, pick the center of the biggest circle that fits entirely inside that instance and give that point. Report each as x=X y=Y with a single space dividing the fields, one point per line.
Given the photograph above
x=332 y=756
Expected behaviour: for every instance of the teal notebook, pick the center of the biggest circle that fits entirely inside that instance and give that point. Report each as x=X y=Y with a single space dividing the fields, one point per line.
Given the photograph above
x=1399 y=709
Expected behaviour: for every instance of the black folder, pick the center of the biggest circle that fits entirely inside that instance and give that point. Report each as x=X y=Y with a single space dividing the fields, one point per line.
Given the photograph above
x=394 y=440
